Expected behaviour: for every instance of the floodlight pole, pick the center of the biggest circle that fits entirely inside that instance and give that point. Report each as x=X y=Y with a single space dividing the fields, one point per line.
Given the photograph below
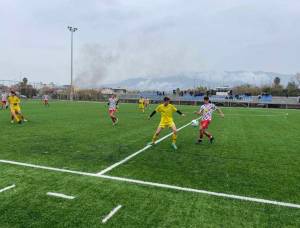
x=72 y=30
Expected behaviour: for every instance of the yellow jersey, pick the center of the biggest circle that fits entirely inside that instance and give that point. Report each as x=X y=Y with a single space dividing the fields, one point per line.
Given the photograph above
x=141 y=101
x=166 y=112
x=14 y=101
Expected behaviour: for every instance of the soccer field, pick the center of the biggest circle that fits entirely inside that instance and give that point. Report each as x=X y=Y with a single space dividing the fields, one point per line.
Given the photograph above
x=249 y=177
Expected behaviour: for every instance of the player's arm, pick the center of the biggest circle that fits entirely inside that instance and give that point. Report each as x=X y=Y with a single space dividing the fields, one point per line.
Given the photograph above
x=180 y=113
x=200 y=112
x=220 y=112
x=152 y=114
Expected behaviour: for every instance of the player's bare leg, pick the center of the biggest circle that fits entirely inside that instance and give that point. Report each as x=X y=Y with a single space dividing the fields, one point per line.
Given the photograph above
x=21 y=116
x=113 y=118
x=155 y=136
x=207 y=134
x=210 y=137
x=14 y=116
x=201 y=134
x=174 y=136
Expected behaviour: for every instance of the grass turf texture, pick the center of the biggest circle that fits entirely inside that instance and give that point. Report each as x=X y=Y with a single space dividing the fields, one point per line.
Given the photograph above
x=254 y=155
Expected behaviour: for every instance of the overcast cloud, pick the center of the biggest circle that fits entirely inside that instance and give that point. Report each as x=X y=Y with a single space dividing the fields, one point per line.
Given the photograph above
x=120 y=39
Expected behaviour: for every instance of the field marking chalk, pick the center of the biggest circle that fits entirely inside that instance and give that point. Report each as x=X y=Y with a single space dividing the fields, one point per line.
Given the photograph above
x=219 y=194
x=112 y=213
x=159 y=185
x=7 y=188
x=47 y=168
x=60 y=195
x=140 y=151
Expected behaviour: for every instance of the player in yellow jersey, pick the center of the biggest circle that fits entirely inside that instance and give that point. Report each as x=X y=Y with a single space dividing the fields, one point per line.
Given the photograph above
x=166 y=110
x=15 y=109
x=142 y=104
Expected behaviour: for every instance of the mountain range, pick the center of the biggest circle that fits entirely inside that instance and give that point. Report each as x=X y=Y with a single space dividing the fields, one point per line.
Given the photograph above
x=209 y=79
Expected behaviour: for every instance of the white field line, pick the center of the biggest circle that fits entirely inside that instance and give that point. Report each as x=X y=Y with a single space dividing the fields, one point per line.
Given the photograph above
x=112 y=213
x=7 y=188
x=224 y=195
x=163 y=138
x=60 y=195
x=47 y=168
x=159 y=185
x=139 y=151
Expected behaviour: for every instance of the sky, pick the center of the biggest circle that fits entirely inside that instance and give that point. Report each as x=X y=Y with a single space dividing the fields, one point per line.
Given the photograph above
x=121 y=39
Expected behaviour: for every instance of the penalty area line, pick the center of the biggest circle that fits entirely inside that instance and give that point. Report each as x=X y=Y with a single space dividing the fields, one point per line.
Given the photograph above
x=140 y=151
x=160 y=185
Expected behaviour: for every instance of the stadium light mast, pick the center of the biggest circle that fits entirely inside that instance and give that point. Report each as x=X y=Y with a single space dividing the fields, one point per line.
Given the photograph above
x=72 y=30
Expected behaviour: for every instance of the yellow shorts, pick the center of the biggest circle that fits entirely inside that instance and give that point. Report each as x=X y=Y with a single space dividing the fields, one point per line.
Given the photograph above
x=15 y=109
x=166 y=124
x=141 y=106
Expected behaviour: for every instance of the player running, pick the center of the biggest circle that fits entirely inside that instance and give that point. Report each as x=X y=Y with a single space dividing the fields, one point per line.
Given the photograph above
x=206 y=111
x=147 y=103
x=46 y=100
x=142 y=104
x=4 y=101
x=166 y=110
x=15 y=108
x=112 y=108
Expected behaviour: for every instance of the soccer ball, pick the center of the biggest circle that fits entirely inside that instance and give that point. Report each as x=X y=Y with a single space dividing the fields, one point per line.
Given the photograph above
x=195 y=123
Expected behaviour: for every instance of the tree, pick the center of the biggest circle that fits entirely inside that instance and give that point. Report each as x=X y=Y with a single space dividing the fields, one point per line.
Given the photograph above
x=276 y=82
x=297 y=79
x=292 y=89
x=25 y=81
x=266 y=89
x=246 y=89
x=201 y=89
x=27 y=89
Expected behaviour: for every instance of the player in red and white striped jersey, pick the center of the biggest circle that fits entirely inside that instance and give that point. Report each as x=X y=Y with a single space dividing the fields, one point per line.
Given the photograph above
x=112 y=108
x=206 y=111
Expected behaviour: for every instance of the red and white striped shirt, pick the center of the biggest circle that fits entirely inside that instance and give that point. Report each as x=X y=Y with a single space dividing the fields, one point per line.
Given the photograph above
x=207 y=111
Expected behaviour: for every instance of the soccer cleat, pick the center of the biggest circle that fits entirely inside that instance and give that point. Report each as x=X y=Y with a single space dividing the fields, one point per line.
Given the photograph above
x=116 y=122
x=211 y=140
x=199 y=141
x=174 y=146
x=25 y=120
x=12 y=121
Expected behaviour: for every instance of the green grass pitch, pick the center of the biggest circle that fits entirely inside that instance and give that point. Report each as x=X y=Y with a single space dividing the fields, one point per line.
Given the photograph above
x=256 y=154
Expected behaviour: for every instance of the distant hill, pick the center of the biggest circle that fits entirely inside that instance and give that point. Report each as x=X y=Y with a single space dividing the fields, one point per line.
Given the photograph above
x=209 y=79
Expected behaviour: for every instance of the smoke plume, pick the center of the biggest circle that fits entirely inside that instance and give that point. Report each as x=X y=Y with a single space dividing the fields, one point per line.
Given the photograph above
x=94 y=64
